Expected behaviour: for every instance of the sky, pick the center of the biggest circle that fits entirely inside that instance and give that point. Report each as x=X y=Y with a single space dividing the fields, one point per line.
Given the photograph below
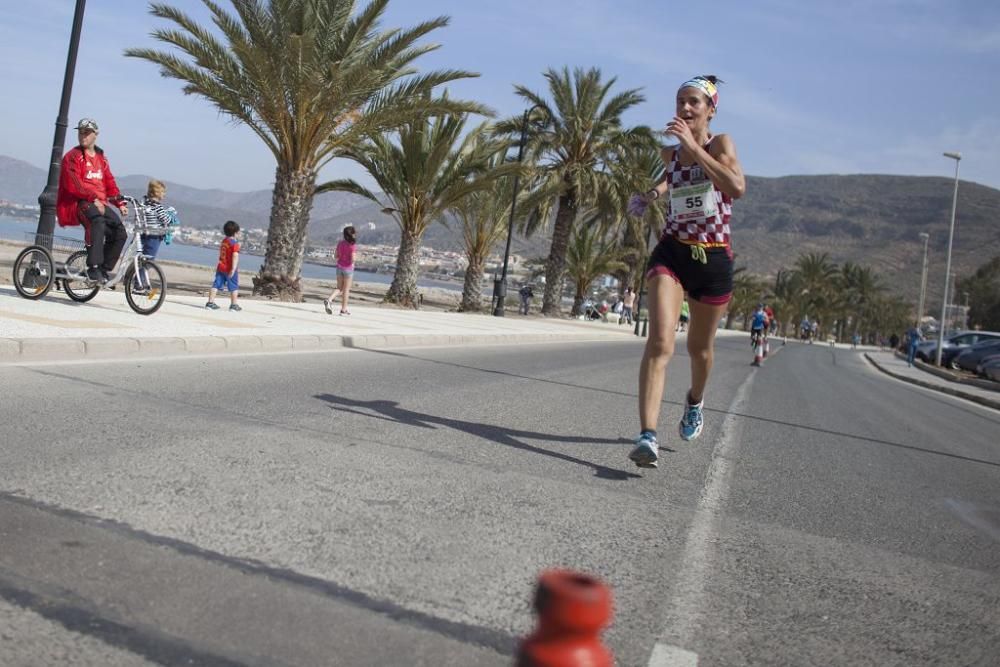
x=811 y=86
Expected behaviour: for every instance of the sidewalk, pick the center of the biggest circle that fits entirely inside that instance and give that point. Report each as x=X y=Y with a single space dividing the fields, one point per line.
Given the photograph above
x=55 y=328
x=979 y=391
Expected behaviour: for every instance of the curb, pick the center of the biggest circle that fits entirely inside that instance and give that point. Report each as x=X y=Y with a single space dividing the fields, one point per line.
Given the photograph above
x=949 y=375
x=23 y=350
x=982 y=400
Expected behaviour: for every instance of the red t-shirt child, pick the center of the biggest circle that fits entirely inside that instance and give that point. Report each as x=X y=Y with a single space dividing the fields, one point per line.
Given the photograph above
x=229 y=246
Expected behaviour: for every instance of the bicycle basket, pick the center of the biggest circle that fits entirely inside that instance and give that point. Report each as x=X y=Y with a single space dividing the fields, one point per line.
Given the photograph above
x=55 y=242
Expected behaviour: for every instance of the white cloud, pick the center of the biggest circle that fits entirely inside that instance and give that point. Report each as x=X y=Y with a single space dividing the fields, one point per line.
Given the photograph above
x=981 y=42
x=979 y=143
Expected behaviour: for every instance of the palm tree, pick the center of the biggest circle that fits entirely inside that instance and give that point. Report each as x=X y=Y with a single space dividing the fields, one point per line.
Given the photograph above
x=576 y=134
x=891 y=313
x=786 y=299
x=861 y=290
x=747 y=292
x=816 y=276
x=484 y=216
x=422 y=175
x=311 y=79
x=589 y=256
x=636 y=174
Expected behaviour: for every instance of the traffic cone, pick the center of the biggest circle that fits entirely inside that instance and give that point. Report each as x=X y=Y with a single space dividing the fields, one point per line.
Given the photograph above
x=767 y=346
x=572 y=610
x=758 y=353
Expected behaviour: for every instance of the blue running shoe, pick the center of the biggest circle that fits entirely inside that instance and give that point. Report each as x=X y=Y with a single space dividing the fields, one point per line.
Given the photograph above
x=692 y=421
x=645 y=453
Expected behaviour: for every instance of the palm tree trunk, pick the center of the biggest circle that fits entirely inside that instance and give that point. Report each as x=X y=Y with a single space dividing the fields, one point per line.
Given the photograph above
x=403 y=290
x=472 y=290
x=635 y=257
x=577 y=304
x=555 y=266
x=291 y=203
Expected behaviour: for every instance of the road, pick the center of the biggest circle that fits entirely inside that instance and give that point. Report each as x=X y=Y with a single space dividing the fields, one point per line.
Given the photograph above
x=394 y=507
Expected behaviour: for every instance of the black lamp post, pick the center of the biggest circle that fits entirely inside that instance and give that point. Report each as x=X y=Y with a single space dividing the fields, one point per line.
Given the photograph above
x=500 y=285
x=47 y=200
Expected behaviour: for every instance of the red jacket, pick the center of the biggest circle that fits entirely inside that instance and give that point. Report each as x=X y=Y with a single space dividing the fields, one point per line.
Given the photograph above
x=82 y=179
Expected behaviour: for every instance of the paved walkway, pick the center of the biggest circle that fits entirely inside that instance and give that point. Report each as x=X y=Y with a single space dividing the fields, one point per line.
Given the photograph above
x=55 y=328
x=982 y=391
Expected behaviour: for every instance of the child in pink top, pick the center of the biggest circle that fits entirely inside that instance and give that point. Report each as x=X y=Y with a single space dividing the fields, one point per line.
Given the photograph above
x=345 y=272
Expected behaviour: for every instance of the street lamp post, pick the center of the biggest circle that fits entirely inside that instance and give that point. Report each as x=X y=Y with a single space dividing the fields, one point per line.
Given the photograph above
x=501 y=286
x=957 y=157
x=47 y=200
x=923 y=280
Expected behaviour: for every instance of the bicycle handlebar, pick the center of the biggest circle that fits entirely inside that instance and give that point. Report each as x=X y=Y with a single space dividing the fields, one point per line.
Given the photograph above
x=138 y=222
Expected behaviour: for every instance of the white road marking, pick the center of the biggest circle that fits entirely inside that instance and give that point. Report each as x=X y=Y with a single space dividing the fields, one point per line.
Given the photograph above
x=975 y=516
x=665 y=655
x=684 y=611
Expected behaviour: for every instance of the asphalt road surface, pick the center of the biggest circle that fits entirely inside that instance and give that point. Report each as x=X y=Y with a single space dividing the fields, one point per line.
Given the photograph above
x=394 y=507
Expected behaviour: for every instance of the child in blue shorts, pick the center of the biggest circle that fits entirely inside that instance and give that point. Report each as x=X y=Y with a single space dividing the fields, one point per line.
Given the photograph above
x=226 y=272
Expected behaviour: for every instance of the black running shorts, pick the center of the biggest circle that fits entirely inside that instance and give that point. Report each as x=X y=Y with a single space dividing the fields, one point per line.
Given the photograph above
x=709 y=283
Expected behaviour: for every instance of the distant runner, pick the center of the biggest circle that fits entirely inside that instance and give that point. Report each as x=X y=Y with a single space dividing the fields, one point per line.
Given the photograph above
x=758 y=328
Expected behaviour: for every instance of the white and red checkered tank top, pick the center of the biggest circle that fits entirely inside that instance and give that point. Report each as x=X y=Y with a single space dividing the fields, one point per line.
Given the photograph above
x=711 y=232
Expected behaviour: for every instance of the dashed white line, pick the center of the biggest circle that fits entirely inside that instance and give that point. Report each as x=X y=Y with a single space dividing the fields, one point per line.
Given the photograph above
x=686 y=605
x=665 y=655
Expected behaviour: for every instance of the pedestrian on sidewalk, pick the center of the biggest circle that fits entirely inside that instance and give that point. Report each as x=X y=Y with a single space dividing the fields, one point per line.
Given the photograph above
x=345 y=271
x=526 y=294
x=227 y=274
x=88 y=195
x=914 y=336
x=702 y=178
x=682 y=321
x=628 y=302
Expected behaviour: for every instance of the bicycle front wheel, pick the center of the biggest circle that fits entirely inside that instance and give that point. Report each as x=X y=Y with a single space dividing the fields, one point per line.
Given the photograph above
x=146 y=290
x=76 y=283
x=34 y=272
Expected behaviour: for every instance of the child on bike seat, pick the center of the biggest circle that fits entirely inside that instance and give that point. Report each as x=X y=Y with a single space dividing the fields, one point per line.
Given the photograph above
x=158 y=219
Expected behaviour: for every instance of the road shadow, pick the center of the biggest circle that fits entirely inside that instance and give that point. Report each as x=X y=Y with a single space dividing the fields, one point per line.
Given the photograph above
x=790 y=424
x=392 y=412
x=492 y=371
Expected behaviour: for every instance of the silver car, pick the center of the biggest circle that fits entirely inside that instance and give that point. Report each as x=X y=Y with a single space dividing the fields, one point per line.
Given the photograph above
x=989 y=368
x=954 y=344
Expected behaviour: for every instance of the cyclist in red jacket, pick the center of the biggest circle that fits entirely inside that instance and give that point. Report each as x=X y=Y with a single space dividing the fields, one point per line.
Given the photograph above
x=88 y=196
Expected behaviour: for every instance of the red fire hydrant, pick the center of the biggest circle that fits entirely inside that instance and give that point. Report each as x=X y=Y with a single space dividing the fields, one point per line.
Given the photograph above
x=572 y=610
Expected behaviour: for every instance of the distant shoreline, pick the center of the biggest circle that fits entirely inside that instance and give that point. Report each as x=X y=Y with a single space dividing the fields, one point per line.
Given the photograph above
x=332 y=265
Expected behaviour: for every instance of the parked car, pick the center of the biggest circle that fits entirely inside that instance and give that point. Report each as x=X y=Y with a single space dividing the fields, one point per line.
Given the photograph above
x=986 y=364
x=991 y=370
x=953 y=344
x=970 y=357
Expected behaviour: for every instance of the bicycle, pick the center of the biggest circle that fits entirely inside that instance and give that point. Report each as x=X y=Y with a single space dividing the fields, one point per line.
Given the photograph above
x=35 y=272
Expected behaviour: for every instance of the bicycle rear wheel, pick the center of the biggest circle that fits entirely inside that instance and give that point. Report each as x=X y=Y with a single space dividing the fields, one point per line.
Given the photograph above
x=78 y=287
x=146 y=291
x=34 y=272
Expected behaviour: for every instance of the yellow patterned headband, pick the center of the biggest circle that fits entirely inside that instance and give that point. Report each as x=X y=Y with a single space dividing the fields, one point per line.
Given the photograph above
x=705 y=86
